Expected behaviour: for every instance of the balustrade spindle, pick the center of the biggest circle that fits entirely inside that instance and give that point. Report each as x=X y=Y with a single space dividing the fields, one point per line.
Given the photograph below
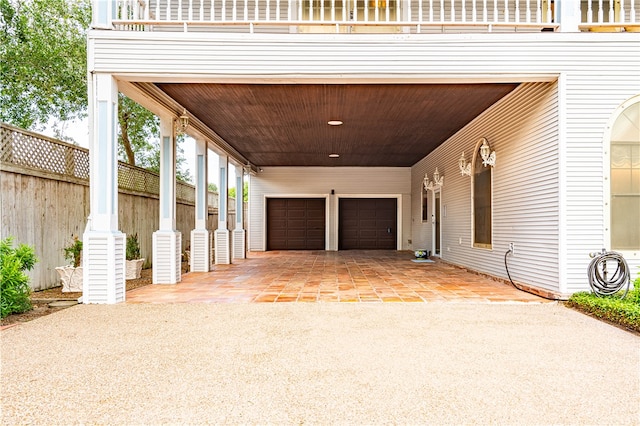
x=517 y=12
x=622 y=17
x=632 y=12
x=527 y=16
x=600 y=12
x=463 y=12
x=179 y=10
x=168 y=14
x=611 y=12
x=506 y=11
x=256 y=11
x=453 y=11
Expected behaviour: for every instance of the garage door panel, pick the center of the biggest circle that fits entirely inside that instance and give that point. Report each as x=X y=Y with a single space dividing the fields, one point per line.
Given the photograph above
x=313 y=234
x=364 y=223
x=368 y=224
x=296 y=224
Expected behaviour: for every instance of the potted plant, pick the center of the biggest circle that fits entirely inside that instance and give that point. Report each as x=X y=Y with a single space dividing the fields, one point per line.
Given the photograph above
x=71 y=275
x=134 y=262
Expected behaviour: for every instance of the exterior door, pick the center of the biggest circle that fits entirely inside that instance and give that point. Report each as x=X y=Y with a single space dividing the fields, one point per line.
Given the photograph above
x=295 y=224
x=367 y=224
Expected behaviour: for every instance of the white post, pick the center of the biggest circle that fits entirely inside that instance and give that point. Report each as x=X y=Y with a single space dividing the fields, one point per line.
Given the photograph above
x=103 y=13
x=167 y=241
x=222 y=248
x=201 y=237
x=568 y=15
x=239 y=251
x=103 y=243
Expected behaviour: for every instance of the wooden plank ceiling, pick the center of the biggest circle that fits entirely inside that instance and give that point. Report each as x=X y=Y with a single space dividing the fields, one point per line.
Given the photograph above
x=384 y=124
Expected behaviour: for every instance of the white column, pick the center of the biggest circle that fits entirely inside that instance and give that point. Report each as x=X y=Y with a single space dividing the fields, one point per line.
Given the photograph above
x=103 y=13
x=568 y=13
x=222 y=243
x=167 y=241
x=103 y=244
x=200 y=236
x=239 y=251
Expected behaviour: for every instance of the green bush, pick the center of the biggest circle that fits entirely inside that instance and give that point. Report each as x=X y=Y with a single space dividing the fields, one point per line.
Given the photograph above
x=625 y=312
x=73 y=252
x=14 y=283
x=133 y=247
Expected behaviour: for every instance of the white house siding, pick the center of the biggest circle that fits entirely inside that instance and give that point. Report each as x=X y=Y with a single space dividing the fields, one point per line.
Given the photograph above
x=591 y=100
x=523 y=130
x=596 y=72
x=316 y=182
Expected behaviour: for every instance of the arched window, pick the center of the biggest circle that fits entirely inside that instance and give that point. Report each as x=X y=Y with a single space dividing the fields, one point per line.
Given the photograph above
x=482 y=215
x=625 y=180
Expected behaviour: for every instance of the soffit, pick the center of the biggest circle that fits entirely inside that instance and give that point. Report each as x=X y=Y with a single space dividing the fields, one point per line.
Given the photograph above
x=384 y=124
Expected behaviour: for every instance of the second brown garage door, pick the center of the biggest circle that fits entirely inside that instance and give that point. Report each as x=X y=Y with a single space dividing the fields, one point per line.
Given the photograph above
x=295 y=224
x=367 y=223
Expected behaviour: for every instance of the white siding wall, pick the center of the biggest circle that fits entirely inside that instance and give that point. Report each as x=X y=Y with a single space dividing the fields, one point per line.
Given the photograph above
x=596 y=72
x=370 y=182
x=523 y=130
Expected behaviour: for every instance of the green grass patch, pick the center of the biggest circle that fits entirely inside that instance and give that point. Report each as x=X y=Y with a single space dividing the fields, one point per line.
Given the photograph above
x=624 y=312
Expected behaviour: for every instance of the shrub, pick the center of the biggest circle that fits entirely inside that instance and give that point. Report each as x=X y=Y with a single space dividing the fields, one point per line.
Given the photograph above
x=625 y=312
x=73 y=252
x=14 y=283
x=133 y=247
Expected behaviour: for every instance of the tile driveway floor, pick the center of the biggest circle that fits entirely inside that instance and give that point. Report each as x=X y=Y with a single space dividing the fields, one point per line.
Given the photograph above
x=327 y=276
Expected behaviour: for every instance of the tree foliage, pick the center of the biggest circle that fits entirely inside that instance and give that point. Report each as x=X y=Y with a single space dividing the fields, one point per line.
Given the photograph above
x=43 y=61
x=43 y=75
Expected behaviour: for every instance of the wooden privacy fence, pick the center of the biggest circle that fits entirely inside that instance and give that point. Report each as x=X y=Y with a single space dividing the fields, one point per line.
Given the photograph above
x=45 y=199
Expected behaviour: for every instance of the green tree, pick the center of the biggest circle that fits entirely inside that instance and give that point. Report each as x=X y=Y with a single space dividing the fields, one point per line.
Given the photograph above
x=138 y=138
x=44 y=77
x=245 y=192
x=43 y=67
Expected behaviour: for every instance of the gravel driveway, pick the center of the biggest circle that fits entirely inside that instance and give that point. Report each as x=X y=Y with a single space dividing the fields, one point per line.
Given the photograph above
x=319 y=363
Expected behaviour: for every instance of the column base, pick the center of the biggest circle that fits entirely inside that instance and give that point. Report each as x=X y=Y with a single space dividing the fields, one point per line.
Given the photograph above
x=104 y=267
x=222 y=248
x=167 y=251
x=239 y=251
x=200 y=260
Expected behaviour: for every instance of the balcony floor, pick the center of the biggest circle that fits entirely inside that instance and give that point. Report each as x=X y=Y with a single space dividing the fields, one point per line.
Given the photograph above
x=343 y=276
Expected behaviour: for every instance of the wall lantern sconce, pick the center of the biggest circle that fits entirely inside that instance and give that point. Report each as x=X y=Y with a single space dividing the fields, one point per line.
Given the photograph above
x=432 y=185
x=182 y=123
x=465 y=168
x=488 y=156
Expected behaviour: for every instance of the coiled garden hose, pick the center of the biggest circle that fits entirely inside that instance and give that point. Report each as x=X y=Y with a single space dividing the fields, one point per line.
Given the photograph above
x=601 y=281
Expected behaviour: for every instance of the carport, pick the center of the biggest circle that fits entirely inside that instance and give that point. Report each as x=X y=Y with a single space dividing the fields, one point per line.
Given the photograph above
x=373 y=276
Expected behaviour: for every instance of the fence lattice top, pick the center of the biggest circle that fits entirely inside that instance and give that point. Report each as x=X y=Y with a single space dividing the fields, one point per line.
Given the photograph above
x=38 y=152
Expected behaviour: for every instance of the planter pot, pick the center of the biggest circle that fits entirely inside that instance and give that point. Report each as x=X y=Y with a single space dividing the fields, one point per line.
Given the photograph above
x=71 y=278
x=133 y=269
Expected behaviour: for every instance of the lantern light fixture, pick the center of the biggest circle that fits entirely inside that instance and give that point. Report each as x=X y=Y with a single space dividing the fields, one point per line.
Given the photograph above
x=182 y=123
x=465 y=168
x=432 y=185
x=488 y=156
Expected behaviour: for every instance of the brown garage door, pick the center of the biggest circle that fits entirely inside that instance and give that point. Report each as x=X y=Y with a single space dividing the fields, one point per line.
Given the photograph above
x=295 y=224
x=367 y=223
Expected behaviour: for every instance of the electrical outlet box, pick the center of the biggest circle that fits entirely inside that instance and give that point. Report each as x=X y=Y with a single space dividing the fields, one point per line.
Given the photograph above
x=512 y=248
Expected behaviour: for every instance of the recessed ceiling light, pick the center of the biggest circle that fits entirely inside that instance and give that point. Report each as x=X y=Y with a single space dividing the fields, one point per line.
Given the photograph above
x=334 y=155
x=334 y=123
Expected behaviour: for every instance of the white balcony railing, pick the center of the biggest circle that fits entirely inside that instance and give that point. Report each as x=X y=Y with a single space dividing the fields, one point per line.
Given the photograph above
x=365 y=15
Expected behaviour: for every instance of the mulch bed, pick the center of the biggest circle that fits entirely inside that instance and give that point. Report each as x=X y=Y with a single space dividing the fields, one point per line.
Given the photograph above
x=41 y=300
